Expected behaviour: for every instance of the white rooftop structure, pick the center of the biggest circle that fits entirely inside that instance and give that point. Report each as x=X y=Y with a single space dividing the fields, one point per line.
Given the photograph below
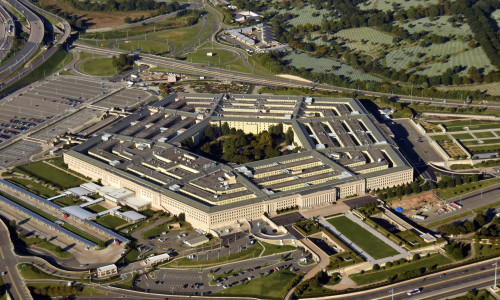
x=157 y=259
x=115 y=194
x=106 y=268
x=91 y=186
x=131 y=216
x=137 y=203
x=78 y=191
x=78 y=212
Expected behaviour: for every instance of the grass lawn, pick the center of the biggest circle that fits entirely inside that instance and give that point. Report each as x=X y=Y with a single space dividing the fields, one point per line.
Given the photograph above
x=58 y=60
x=483 y=134
x=177 y=37
x=466 y=188
x=307 y=227
x=40 y=243
x=97 y=208
x=28 y=271
x=364 y=239
x=250 y=252
x=220 y=57
x=381 y=275
x=271 y=286
x=155 y=231
x=84 y=55
x=34 y=187
x=80 y=291
x=462 y=136
x=147 y=46
x=111 y=221
x=440 y=137
x=66 y=201
x=131 y=255
x=99 y=67
x=50 y=174
x=127 y=284
x=271 y=249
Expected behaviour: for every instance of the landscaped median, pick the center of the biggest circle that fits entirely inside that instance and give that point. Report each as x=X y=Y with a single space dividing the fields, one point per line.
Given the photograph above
x=401 y=269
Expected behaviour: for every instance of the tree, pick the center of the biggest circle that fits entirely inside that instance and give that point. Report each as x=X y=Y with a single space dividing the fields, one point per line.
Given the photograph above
x=289 y=136
x=182 y=217
x=127 y=20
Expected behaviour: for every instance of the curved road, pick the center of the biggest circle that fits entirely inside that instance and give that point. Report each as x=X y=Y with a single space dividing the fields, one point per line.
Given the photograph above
x=199 y=69
x=31 y=46
x=6 y=38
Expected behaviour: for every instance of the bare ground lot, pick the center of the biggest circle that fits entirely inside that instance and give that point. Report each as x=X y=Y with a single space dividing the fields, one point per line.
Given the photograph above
x=97 y=19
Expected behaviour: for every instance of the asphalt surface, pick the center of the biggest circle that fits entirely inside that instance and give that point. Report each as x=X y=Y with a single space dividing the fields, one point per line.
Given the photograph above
x=199 y=69
x=5 y=37
x=434 y=286
x=31 y=46
x=14 y=283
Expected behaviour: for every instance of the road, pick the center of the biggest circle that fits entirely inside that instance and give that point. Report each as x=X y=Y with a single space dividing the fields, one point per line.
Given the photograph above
x=435 y=286
x=46 y=55
x=8 y=263
x=31 y=46
x=5 y=37
x=199 y=69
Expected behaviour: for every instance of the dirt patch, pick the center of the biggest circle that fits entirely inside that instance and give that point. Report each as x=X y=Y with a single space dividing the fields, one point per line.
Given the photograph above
x=415 y=202
x=97 y=19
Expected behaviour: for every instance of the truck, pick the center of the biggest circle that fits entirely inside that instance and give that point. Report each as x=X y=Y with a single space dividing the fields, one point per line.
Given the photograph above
x=456 y=205
x=419 y=217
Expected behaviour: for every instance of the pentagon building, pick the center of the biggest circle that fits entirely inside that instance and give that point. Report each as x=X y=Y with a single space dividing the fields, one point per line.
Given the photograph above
x=343 y=152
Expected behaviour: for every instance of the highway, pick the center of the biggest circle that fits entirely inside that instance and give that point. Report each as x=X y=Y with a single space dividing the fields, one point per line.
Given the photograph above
x=46 y=55
x=5 y=36
x=199 y=69
x=30 y=47
x=8 y=263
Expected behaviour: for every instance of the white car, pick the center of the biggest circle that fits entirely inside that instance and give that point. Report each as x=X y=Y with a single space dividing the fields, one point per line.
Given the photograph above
x=413 y=292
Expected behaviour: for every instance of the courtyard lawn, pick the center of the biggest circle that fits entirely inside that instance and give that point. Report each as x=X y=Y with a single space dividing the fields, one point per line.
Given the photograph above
x=462 y=136
x=111 y=221
x=272 y=286
x=99 y=67
x=364 y=239
x=66 y=201
x=96 y=208
x=34 y=187
x=50 y=174
x=271 y=249
x=483 y=134
x=155 y=231
x=381 y=275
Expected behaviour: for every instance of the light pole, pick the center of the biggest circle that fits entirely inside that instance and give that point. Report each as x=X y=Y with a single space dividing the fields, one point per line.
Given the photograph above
x=495 y=283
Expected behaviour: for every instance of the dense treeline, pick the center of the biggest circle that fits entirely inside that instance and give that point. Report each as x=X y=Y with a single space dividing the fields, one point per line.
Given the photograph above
x=231 y=145
x=485 y=29
x=123 y=62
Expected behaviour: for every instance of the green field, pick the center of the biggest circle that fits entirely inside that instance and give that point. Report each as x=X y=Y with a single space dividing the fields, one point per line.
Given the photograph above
x=483 y=134
x=66 y=201
x=387 y=5
x=364 y=239
x=382 y=275
x=439 y=26
x=111 y=221
x=366 y=34
x=50 y=174
x=177 y=37
x=466 y=188
x=155 y=231
x=34 y=187
x=220 y=57
x=441 y=137
x=61 y=289
x=302 y=60
x=271 y=286
x=29 y=271
x=99 y=67
x=271 y=249
x=147 y=46
x=462 y=136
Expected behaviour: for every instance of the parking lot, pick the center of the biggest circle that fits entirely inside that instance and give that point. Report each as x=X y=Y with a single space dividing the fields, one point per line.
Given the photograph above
x=18 y=153
x=125 y=98
x=198 y=282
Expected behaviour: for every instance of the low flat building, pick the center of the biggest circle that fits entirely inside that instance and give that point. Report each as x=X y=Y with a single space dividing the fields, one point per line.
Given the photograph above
x=197 y=241
x=107 y=271
x=131 y=216
x=157 y=259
